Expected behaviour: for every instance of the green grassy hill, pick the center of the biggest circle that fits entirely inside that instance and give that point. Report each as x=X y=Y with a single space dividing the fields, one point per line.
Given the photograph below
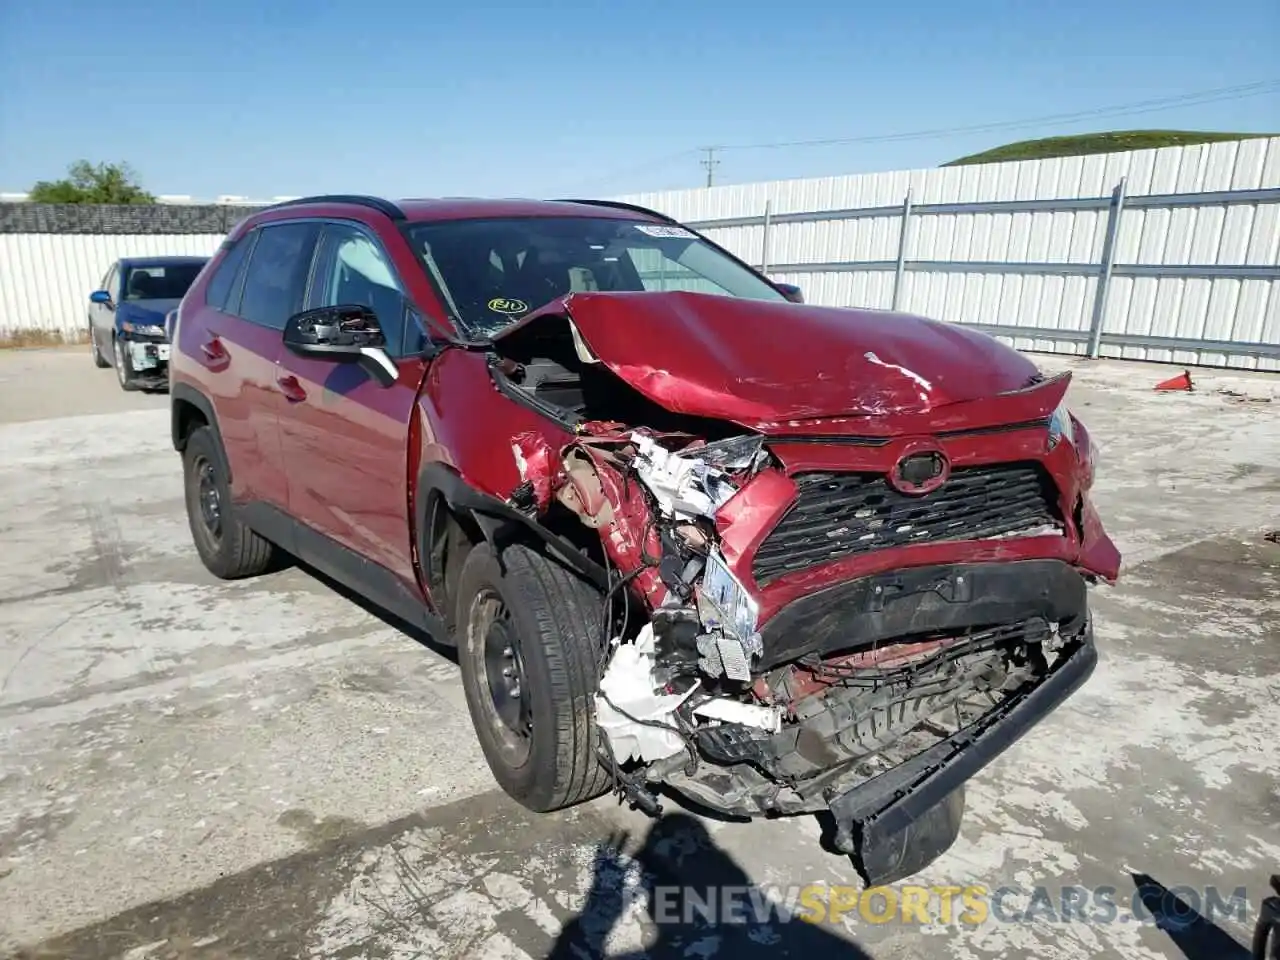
x=1098 y=143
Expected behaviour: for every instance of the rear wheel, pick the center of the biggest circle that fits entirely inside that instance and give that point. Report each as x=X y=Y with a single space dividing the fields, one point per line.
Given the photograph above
x=529 y=637
x=227 y=548
x=124 y=372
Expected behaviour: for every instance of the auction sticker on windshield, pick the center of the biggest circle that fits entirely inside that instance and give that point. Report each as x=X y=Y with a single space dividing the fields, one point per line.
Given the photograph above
x=503 y=305
x=664 y=232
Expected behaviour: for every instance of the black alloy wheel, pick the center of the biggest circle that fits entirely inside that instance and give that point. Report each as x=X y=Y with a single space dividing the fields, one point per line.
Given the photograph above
x=228 y=548
x=210 y=498
x=512 y=715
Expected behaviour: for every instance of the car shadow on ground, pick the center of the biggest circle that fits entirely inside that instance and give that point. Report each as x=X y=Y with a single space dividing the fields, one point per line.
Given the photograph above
x=696 y=900
x=390 y=619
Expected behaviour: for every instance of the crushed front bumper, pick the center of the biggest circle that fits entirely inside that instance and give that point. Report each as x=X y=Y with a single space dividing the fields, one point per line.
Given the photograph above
x=882 y=607
x=889 y=764
x=903 y=819
x=148 y=359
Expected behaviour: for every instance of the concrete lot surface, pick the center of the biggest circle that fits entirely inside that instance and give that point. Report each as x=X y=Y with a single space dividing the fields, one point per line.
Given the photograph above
x=196 y=769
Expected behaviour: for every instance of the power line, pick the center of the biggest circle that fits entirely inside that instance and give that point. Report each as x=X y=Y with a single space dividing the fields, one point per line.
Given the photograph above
x=1142 y=106
x=1217 y=95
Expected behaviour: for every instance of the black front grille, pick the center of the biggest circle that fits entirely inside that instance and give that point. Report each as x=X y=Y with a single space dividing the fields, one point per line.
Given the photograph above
x=838 y=515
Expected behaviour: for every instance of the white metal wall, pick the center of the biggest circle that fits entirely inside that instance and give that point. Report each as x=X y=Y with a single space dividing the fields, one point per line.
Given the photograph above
x=1229 y=309
x=46 y=279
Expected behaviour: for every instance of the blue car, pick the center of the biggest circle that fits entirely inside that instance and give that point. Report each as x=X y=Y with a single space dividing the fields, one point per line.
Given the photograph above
x=128 y=316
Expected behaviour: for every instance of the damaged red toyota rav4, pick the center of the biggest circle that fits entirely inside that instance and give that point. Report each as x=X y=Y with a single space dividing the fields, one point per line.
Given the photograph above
x=687 y=533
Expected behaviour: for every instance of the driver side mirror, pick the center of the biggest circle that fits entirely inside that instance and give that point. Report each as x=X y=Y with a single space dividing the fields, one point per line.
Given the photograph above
x=348 y=333
x=102 y=297
x=791 y=292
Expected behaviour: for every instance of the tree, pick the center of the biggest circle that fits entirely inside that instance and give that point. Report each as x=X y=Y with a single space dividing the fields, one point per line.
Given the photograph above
x=85 y=183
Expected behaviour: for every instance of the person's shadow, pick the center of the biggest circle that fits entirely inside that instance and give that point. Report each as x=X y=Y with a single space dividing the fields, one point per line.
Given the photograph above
x=686 y=881
x=1193 y=933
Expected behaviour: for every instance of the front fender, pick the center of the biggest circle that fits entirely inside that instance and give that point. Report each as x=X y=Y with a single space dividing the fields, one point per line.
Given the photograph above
x=497 y=521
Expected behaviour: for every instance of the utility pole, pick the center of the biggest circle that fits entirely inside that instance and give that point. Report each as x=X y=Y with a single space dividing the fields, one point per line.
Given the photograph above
x=710 y=163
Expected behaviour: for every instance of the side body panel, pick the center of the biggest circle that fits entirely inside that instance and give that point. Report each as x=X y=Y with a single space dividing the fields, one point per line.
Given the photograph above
x=345 y=439
x=231 y=362
x=101 y=316
x=348 y=441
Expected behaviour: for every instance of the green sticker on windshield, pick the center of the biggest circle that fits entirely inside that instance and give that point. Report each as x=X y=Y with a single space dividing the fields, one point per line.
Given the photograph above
x=503 y=305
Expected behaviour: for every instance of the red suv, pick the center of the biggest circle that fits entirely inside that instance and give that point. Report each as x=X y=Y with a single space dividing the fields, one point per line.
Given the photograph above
x=685 y=531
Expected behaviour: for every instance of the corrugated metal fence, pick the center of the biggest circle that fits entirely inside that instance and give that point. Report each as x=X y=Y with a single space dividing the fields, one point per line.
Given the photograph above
x=52 y=258
x=1168 y=255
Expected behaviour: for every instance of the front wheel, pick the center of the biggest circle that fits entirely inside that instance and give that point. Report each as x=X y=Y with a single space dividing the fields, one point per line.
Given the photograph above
x=529 y=639
x=124 y=372
x=1266 y=931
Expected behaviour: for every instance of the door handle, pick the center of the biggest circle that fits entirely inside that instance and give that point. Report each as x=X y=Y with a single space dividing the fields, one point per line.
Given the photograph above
x=215 y=354
x=291 y=388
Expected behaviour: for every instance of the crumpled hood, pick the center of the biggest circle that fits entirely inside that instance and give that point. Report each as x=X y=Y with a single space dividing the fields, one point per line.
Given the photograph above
x=758 y=363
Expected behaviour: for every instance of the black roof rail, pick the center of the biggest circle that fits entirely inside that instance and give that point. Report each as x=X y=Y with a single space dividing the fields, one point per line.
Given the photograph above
x=619 y=205
x=385 y=207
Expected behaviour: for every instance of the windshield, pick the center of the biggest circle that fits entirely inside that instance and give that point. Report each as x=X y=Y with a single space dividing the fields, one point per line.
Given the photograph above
x=160 y=281
x=492 y=272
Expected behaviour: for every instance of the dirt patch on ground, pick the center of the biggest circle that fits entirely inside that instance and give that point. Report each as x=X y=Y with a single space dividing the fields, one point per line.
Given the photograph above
x=33 y=337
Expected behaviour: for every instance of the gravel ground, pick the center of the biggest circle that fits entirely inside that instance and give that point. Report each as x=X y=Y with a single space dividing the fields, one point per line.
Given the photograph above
x=197 y=769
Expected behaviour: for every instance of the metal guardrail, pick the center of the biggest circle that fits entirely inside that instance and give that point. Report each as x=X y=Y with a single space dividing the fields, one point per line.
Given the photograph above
x=1104 y=270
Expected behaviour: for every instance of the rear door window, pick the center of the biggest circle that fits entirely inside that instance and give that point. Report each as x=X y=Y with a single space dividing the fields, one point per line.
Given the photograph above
x=276 y=280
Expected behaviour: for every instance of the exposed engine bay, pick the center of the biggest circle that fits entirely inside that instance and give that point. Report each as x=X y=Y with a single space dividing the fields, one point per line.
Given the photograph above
x=871 y=682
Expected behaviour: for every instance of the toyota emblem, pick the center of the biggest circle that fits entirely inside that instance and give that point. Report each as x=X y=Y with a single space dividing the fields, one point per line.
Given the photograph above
x=921 y=472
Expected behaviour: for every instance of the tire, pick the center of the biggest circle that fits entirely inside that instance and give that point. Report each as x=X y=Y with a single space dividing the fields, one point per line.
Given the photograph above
x=228 y=548
x=1266 y=931
x=99 y=360
x=124 y=372
x=551 y=620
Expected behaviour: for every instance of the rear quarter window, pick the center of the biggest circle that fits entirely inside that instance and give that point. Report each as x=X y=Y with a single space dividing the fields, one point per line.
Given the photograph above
x=223 y=282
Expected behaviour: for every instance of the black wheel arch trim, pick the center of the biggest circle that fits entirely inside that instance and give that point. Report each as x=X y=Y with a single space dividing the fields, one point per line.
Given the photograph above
x=180 y=393
x=499 y=522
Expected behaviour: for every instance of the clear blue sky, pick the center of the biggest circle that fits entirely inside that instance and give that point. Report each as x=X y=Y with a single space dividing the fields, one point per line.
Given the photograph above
x=569 y=96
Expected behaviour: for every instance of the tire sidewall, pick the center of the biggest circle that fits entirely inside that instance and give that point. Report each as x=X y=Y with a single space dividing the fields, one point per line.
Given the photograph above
x=533 y=782
x=202 y=445
x=120 y=360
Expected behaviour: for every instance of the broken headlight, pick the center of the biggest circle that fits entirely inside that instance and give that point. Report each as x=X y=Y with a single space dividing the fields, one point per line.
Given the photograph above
x=1060 y=426
x=724 y=602
x=142 y=329
x=735 y=453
